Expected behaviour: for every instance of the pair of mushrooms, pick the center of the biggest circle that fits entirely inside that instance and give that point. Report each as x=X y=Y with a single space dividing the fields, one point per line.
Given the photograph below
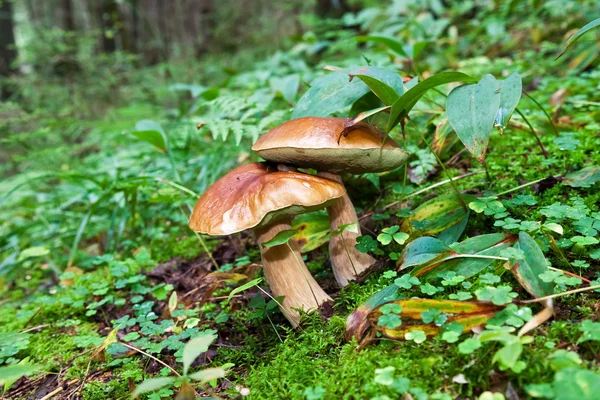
x=265 y=197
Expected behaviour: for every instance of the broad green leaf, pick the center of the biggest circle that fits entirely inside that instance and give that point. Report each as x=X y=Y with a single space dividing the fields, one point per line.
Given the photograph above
x=585 y=177
x=152 y=384
x=194 y=348
x=484 y=245
x=312 y=230
x=151 y=132
x=207 y=374
x=280 y=238
x=472 y=111
x=510 y=94
x=245 y=286
x=329 y=94
x=30 y=252
x=576 y=384
x=437 y=216
x=406 y=102
x=528 y=270
x=467 y=314
x=573 y=39
x=287 y=86
x=385 y=83
x=389 y=42
x=10 y=373
x=424 y=250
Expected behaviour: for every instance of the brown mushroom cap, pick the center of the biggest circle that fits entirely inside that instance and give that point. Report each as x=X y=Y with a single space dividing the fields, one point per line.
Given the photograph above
x=312 y=142
x=256 y=195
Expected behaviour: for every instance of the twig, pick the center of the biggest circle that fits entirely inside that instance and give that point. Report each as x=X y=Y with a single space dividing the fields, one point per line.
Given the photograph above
x=151 y=356
x=59 y=389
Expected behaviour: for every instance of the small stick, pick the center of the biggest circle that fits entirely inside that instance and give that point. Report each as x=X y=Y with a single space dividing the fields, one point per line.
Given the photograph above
x=59 y=389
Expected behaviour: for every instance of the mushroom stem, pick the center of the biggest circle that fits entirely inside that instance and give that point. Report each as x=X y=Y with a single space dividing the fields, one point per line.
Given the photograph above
x=287 y=274
x=346 y=261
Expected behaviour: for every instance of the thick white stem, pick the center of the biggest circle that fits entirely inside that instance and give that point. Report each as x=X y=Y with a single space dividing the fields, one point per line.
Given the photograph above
x=287 y=274
x=346 y=261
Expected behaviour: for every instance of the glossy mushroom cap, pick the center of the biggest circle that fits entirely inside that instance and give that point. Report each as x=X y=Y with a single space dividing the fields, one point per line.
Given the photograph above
x=312 y=142
x=256 y=195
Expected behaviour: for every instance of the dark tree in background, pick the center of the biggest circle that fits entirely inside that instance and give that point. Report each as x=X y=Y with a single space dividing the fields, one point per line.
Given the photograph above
x=331 y=8
x=8 y=52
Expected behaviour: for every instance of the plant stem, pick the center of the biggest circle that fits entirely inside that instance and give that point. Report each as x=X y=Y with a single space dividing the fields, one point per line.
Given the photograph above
x=462 y=201
x=151 y=356
x=553 y=296
x=519 y=187
x=176 y=186
x=544 y=111
x=570 y=274
x=482 y=256
x=533 y=132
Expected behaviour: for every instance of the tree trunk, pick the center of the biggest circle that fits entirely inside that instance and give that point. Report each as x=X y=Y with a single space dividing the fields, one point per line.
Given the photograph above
x=331 y=8
x=68 y=20
x=111 y=23
x=8 y=50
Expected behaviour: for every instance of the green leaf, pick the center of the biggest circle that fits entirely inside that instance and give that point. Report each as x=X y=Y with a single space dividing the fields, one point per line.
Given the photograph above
x=151 y=132
x=437 y=216
x=245 y=286
x=152 y=384
x=484 y=245
x=416 y=336
x=406 y=281
x=280 y=238
x=585 y=178
x=575 y=383
x=10 y=373
x=194 y=348
x=511 y=89
x=528 y=270
x=392 y=308
x=351 y=227
x=406 y=102
x=573 y=39
x=424 y=250
x=469 y=346
x=366 y=244
x=472 y=111
x=384 y=376
x=389 y=42
x=329 y=94
x=312 y=230
x=508 y=355
x=287 y=86
x=389 y=321
x=386 y=84
x=499 y=296
x=207 y=375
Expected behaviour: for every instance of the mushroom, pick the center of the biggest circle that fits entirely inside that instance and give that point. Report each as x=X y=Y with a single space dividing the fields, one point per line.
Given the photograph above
x=333 y=146
x=259 y=197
